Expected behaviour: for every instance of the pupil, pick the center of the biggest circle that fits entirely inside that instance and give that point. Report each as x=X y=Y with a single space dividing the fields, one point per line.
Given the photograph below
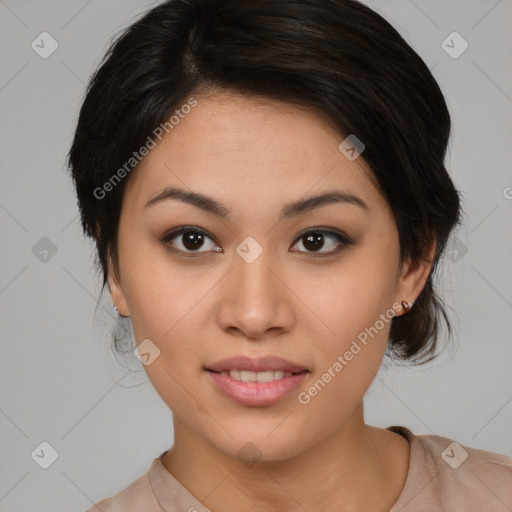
x=315 y=241
x=192 y=240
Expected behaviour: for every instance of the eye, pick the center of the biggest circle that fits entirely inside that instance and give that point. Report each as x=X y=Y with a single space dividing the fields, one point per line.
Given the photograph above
x=189 y=238
x=313 y=241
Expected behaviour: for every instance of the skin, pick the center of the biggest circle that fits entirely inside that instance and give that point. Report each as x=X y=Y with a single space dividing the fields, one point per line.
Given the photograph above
x=255 y=155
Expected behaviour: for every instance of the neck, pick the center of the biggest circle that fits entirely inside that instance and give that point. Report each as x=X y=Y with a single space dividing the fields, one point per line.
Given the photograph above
x=359 y=466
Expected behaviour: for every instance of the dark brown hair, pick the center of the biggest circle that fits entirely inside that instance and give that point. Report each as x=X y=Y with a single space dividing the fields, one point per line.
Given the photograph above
x=336 y=57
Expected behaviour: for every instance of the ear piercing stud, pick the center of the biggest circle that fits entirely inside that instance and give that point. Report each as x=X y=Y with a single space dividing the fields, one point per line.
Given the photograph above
x=406 y=306
x=122 y=316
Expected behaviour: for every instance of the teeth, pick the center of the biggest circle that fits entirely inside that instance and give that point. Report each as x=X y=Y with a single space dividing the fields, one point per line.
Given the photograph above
x=248 y=376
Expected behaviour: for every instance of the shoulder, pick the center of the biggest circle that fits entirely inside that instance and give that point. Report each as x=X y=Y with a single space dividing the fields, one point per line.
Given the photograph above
x=156 y=491
x=478 y=471
x=137 y=496
x=451 y=475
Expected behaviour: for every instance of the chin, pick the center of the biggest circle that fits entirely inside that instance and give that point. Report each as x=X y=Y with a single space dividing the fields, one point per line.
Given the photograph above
x=269 y=443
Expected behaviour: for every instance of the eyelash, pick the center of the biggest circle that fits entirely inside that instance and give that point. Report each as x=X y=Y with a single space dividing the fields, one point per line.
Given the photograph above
x=343 y=239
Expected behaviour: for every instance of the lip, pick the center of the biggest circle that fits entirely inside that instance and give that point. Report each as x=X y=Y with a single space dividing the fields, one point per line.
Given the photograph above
x=260 y=364
x=256 y=394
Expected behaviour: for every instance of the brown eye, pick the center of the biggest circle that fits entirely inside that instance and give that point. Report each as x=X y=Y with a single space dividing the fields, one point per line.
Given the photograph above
x=189 y=240
x=315 y=240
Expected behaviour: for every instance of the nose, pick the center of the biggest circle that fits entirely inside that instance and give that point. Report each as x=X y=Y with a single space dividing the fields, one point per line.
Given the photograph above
x=256 y=302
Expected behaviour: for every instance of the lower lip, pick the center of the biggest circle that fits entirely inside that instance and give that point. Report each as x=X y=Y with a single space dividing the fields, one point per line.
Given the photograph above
x=256 y=394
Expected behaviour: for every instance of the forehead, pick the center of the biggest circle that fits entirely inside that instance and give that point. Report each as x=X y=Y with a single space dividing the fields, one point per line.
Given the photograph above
x=250 y=148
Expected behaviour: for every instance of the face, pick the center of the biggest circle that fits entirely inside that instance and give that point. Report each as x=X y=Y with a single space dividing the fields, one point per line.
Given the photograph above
x=257 y=277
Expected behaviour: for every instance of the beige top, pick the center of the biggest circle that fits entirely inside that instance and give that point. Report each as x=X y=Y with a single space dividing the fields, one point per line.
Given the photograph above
x=443 y=476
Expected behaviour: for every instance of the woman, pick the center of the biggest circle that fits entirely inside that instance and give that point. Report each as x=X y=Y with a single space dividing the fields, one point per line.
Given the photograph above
x=265 y=185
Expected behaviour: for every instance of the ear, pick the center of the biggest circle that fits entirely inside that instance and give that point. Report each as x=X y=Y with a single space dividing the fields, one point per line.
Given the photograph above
x=414 y=275
x=116 y=291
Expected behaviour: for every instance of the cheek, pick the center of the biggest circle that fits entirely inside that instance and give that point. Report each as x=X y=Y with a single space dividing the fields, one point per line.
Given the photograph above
x=159 y=291
x=171 y=316
x=346 y=298
x=334 y=393
x=350 y=354
x=353 y=312
x=165 y=309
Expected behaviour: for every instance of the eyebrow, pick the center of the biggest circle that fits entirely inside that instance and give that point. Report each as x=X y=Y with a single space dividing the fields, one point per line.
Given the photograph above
x=210 y=205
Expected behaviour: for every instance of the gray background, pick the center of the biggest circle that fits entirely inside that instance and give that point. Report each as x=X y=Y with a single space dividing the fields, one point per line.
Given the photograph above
x=60 y=383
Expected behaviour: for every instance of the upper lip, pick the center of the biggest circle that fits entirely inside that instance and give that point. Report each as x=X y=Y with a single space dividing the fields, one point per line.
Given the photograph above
x=260 y=364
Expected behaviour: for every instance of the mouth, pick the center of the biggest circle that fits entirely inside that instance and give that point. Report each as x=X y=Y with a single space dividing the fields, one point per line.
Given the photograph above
x=262 y=376
x=256 y=382
x=250 y=365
